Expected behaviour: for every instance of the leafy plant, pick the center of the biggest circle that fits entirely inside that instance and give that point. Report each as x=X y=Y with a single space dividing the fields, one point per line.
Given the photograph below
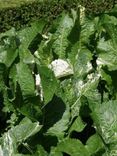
x=58 y=91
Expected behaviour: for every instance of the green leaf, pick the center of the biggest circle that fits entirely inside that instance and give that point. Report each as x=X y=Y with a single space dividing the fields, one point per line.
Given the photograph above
x=107 y=48
x=59 y=128
x=13 y=81
x=8 y=50
x=72 y=147
x=48 y=82
x=11 y=32
x=44 y=52
x=55 y=152
x=16 y=135
x=113 y=149
x=107 y=19
x=94 y=144
x=26 y=56
x=57 y=116
x=107 y=54
x=73 y=53
x=67 y=92
x=88 y=28
x=89 y=90
x=2 y=68
x=41 y=151
x=8 y=106
x=105 y=76
x=77 y=125
x=27 y=35
x=25 y=79
x=105 y=119
x=2 y=84
x=82 y=63
x=13 y=119
x=31 y=108
x=60 y=36
x=24 y=130
x=75 y=32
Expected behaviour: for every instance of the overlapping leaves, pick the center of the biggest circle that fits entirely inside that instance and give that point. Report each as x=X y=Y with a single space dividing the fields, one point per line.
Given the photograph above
x=68 y=107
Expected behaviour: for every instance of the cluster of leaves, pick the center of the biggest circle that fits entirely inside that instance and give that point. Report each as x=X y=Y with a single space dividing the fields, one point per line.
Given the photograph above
x=69 y=115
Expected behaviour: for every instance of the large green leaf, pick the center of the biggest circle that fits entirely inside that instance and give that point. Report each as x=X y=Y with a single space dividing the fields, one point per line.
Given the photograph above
x=44 y=52
x=57 y=116
x=59 y=128
x=106 y=48
x=89 y=90
x=48 y=82
x=60 y=36
x=17 y=135
x=72 y=147
x=66 y=91
x=73 y=53
x=94 y=144
x=25 y=79
x=88 y=28
x=28 y=34
x=26 y=37
x=82 y=64
x=107 y=54
x=105 y=119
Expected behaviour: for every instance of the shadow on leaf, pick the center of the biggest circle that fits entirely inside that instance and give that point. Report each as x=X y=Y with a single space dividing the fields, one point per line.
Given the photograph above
x=53 y=112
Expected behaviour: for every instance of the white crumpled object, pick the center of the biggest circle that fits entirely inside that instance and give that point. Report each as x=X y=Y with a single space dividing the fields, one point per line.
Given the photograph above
x=61 y=68
x=39 y=90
